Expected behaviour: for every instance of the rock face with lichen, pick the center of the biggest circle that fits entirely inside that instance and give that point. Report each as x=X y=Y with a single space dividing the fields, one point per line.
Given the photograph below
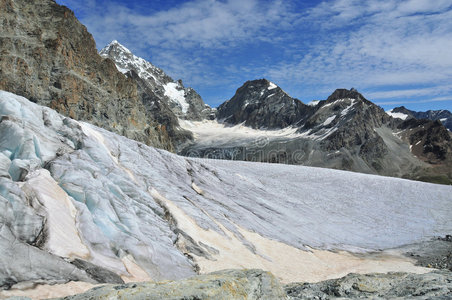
x=434 y=285
x=49 y=57
x=227 y=284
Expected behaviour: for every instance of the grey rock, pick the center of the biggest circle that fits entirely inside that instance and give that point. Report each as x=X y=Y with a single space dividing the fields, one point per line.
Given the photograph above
x=97 y=273
x=436 y=253
x=261 y=104
x=431 y=142
x=160 y=111
x=227 y=284
x=434 y=285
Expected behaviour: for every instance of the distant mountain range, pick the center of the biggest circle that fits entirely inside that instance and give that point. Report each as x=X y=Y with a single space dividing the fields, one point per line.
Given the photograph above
x=443 y=115
x=345 y=131
x=261 y=122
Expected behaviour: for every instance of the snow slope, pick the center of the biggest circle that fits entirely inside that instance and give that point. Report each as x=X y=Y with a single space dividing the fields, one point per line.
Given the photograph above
x=141 y=210
x=398 y=115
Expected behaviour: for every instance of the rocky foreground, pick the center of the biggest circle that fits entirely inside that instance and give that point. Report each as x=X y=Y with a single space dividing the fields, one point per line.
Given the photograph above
x=258 y=284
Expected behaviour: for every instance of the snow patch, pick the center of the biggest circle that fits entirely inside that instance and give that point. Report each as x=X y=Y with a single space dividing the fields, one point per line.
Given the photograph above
x=212 y=132
x=329 y=120
x=397 y=115
x=122 y=70
x=313 y=103
x=271 y=86
x=346 y=110
x=176 y=95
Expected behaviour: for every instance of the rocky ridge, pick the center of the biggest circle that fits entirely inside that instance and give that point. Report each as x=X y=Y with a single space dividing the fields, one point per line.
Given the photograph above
x=262 y=104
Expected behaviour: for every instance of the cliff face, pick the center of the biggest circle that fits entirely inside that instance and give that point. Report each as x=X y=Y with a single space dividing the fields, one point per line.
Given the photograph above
x=48 y=56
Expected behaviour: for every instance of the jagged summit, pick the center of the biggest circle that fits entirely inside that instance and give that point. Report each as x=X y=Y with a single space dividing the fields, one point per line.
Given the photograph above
x=345 y=94
x=125 y=61
x=262 y=104
x=162 y=90
x=116 y=44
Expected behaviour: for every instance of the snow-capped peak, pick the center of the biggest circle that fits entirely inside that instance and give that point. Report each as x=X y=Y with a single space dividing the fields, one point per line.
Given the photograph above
x=125 y=61
x=117 y=45
x=156 y=80
x=313 y=103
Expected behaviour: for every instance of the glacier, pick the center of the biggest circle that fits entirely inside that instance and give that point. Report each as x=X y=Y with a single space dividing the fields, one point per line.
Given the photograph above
x=70 y=190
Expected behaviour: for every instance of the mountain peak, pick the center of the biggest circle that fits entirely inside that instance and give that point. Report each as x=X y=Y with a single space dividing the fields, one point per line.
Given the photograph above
x=344 y=93
x=115 y=46
x=183 y=102
x=261 y=83
x=261 y=104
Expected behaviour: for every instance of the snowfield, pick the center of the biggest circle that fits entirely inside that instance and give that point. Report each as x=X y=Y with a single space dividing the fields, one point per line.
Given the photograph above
x=145 y=213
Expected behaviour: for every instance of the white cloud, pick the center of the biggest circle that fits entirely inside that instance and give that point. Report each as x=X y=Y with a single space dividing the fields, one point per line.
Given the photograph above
x=411 y=92
x=365 y=44
x=393 y=45
x=400 y=102
x=204 y=23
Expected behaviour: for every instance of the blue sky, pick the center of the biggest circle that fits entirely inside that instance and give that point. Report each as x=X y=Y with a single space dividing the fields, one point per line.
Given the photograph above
x=394 y=52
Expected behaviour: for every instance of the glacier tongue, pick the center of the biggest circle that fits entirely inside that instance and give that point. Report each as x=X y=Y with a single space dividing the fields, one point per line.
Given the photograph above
x=142 y=211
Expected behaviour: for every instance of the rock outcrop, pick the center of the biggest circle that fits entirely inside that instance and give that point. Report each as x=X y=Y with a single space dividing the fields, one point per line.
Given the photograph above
x=227 y=284
x=49 y=57
x=434 y=285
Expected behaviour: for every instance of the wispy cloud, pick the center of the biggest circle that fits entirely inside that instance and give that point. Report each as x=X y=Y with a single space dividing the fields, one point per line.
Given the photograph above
x=400 y=102
x=371 y=44
x=418 y=92
x=200 y=23
x=393 y=48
